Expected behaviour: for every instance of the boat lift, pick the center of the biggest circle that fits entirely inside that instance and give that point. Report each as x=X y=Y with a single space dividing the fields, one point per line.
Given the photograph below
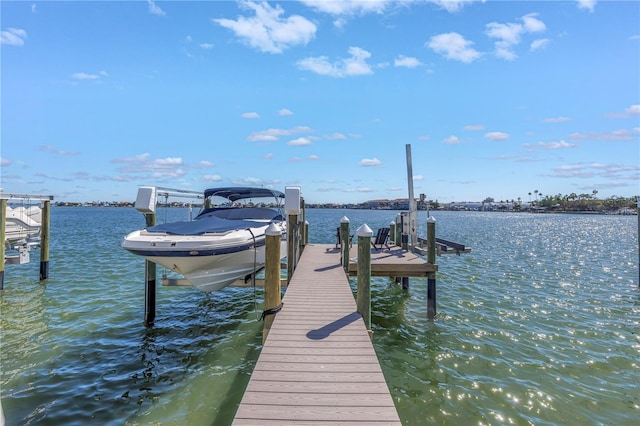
x=21 y=230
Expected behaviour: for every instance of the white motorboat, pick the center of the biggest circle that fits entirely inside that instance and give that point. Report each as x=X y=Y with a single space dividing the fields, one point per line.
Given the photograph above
x=223 y=243
x=23 y=224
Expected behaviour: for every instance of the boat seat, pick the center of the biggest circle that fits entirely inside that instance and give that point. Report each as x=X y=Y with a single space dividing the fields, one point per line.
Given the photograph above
x=381 y=239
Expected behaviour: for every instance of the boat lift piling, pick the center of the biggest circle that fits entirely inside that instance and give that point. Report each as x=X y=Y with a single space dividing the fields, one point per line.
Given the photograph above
x=146 y=203
x=292 y=203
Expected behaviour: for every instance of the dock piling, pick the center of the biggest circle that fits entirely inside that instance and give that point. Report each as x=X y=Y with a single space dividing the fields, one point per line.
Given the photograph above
x=44 y=239
x=363 y=298
x=431 y=276
x=293 y=233
x=150 y=281
x=344 y=242
x=272 y=289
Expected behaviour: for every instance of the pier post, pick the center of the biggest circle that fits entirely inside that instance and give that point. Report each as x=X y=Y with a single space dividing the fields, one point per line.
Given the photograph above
x=44 y=239
x=363 y=298
x=293 y=240
x=271 y=276
x=344 y=243
x=3 y=236
x=398 y=236
x=405 y=246
x=431 y=276
x=292 y=208
x=150 y=281
x=303 y=232
x=392 y=232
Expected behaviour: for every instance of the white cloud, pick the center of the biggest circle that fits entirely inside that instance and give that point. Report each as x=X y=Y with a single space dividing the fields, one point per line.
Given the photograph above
x=275 y=134
x=80 y=76
x=510 y=34
x=370 y=162
x=557 y=120
x=453 y=5
x=406 y=61
x=211 y=178
x=250 y=115
x=551 y=145
x=302 y=141
x=631 y=111
x=533 y=24
x=452 y=140
x=354 y=65
x=335 y=136
x=313 y=157
x=13 y=36
x=4 y=162
x=474 y=127
x=267 y=30
x=454 y=46
x=616 y=135
x=348 y=7
x=539 y=44
x=204 y=164
x=285 y=111
x=154 y=9
x=587 y=4
x=206 y=46
x=496 y=136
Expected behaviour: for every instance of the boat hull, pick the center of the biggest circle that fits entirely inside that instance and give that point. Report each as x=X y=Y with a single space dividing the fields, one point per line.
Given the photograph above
x=209 y=262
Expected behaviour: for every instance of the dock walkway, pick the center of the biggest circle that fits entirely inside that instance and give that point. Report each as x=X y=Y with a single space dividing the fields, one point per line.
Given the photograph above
x=318 y=365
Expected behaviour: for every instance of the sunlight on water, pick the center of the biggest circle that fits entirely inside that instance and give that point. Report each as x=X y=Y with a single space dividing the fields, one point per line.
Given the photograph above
x=538 y=325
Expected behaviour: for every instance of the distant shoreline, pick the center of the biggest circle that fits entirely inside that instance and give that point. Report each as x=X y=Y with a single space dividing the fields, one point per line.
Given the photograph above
x=630 y=211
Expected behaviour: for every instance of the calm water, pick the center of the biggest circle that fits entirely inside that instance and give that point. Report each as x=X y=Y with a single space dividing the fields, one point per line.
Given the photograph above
x=540 y=324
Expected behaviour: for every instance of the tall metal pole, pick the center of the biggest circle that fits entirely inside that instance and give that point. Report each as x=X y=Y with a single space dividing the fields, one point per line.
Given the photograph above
x=412 y=200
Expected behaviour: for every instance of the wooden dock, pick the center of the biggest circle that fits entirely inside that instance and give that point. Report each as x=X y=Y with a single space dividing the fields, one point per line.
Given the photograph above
x=318 y=365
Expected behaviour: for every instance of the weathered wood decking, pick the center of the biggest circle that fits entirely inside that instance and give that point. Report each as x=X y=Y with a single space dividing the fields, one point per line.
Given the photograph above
x=318 y=365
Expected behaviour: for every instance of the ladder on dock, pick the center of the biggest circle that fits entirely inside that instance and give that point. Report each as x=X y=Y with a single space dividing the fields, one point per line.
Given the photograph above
x=318 y=365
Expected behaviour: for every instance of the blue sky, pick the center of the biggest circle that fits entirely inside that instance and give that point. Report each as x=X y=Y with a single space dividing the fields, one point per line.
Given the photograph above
x=497 y=98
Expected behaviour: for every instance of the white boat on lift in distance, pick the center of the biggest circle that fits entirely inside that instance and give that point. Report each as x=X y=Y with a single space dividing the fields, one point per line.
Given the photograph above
x=23 y=224
x=223 y=243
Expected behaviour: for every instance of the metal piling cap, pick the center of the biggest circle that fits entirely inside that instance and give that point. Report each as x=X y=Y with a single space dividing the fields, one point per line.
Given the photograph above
x=364 y=231
x=272 y=229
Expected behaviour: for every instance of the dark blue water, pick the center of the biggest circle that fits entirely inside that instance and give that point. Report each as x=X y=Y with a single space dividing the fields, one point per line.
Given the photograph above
x=540 y=324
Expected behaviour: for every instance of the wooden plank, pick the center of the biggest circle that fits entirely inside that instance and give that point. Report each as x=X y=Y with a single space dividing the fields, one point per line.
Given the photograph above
x=318 y=365
x=311 y=399
x=326 y=388
x=320 y=414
